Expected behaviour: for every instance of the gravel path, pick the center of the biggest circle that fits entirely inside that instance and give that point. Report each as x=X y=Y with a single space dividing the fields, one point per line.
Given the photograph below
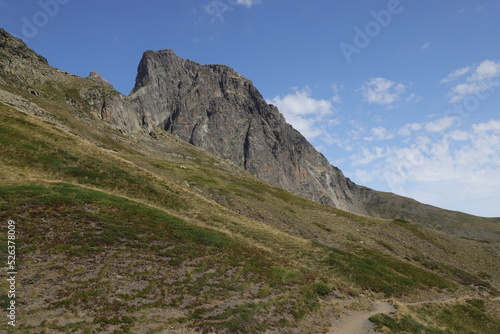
x=358 y=323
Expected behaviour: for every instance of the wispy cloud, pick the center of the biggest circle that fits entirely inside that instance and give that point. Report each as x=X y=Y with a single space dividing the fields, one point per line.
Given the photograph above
x=481 y=8
x=440 y=125
x=247 y=3
x=467 y=160
x=414 y=98
x=482 y=78
x=379 y=133
x=382 y=91
x=456 y=74
x=336 y=88
x=426 y=46
x=217 y=9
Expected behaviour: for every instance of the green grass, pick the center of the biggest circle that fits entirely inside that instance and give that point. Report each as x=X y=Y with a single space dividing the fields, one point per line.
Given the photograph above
x=380 y=273
x=56 y=154
x=405 y=325
x=121 y=219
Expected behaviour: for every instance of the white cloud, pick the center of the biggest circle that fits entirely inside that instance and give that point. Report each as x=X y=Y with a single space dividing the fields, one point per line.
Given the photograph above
x=409 y=128
x=306 y=114
x=492 y=125
x=440 y=125
x=481 y=8
x=414 y=98
x=217 y=9
x=426 y=46
x=367 y=156
x=456 y=74
x=382 y=91
x=457 y=162
x=336 y=93
x=343 y=143
x=487 y=70
x=459 y=135
x=247 y=3
x=482 y=79
x=379 y=133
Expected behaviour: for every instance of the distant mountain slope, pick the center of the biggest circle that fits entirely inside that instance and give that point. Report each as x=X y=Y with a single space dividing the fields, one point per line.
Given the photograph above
x=215 y=108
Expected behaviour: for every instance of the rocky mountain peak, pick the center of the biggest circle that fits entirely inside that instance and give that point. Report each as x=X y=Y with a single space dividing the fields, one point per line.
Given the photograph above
x=99 y=79
x=21 y=65
x=219 y=110
x=14 y=48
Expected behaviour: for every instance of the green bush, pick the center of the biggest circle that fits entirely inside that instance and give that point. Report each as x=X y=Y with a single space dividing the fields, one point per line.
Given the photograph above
x=283 y=276
x=405 y=325
x=321 y=289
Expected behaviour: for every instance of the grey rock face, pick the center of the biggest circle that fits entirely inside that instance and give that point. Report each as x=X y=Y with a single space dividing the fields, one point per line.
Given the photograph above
x=215 y=108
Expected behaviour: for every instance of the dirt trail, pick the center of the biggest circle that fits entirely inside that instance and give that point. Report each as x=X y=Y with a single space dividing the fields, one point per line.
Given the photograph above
x=358 y=323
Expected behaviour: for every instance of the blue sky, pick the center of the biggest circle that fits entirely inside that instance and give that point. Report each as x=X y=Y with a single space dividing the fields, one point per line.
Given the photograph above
x=402 y=96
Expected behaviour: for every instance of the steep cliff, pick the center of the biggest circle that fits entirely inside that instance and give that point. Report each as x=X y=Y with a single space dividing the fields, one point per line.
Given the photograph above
x=215 y=108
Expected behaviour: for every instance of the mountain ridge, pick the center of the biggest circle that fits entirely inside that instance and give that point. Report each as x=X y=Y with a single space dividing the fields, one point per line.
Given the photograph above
x=217 y=109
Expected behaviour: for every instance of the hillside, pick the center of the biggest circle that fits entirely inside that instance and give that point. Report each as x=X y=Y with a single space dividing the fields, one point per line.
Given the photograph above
x=139 y=231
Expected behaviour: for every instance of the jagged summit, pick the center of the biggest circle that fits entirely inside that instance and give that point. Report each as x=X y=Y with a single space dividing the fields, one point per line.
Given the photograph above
x=151 y=58
x=99 y=79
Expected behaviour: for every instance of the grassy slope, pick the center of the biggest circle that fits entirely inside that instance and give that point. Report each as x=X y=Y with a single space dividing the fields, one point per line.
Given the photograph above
x=115 y=236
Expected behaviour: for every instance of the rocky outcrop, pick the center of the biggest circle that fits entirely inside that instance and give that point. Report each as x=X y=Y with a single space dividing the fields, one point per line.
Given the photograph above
x=99 y=79
x=215 y=108
x=19 y=64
